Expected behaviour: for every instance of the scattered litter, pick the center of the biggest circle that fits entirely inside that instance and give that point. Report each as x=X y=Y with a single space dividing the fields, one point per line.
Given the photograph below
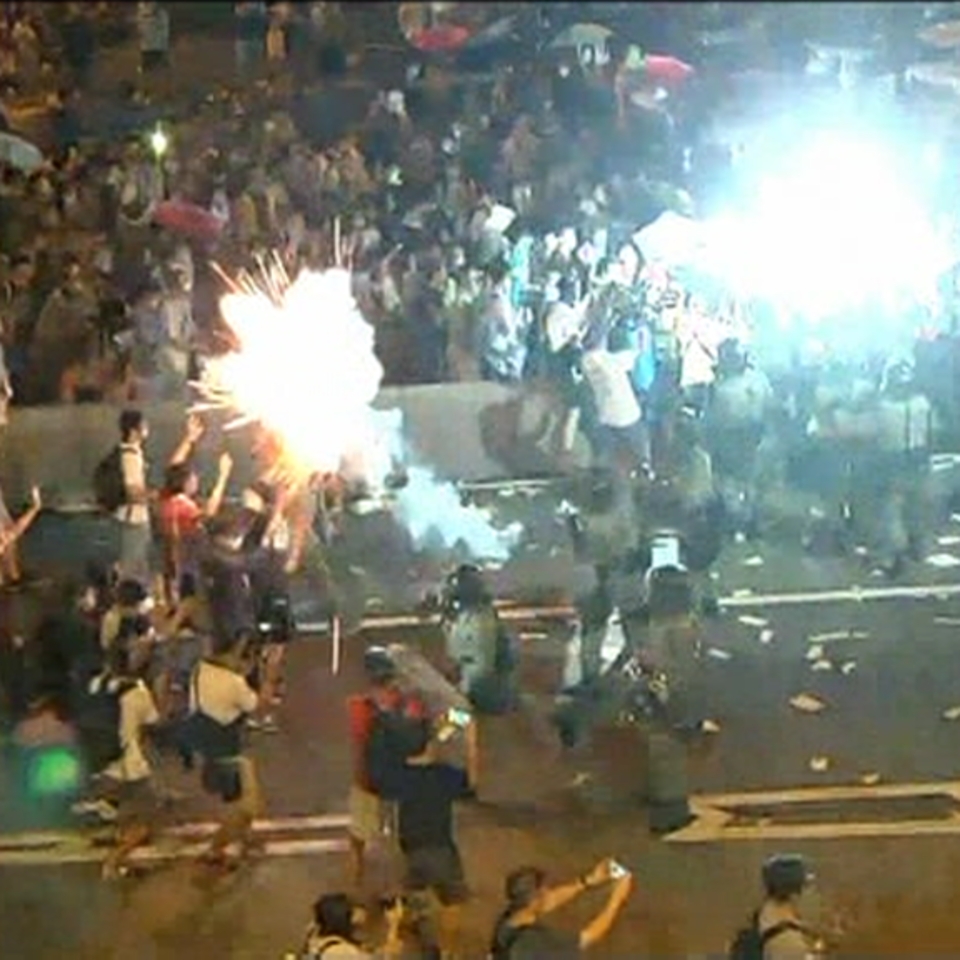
x=718 y=654
x=714 y=575
x=819 y=764
x=749 y=621
x=947 y=621
x=951 y=541
x=746 y=592
x=815 y=653
x=952 y=713
x=870 y=779
x=849 y=667
x=860 y=550
x=818 y=639
x=755 y=561
x=766 y=635
x=493 y=566
x=739 y=537
x=374 y=603
x=709 y=726
x=580 y=780
x=943 y=561
x=357 y=571
x=807 y=703
x=507 y=492
x=821 y=666
x=526 y=637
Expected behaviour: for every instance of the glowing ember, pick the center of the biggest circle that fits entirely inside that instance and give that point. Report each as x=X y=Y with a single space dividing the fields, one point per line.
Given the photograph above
x=304 y=368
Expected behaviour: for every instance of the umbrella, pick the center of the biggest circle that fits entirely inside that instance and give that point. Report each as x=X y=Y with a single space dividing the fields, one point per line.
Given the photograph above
x=666 y=69
x=945 y=35
x=19 y=153
x=188 y=219
x=582 y=35
x=440 y=39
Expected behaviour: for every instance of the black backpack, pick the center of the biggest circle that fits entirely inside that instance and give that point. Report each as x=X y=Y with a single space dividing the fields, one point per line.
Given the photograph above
x=109 y=489
x=386 y=751
x=750 y=943
x=98 y=721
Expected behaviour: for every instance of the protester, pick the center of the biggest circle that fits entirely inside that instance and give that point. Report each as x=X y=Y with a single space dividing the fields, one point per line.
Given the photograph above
x=220 y=700
x=375 y=714
x=521 y=933
x=335 y=933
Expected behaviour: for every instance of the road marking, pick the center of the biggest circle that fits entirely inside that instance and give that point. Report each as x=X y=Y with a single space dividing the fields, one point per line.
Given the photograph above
x=714 y=814
x=510 y=614
x=857 y=594
x=42 y=847
x=88 y=853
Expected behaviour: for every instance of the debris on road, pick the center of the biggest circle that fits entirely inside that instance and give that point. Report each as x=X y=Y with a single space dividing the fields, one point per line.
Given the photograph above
x=530 y=636
x=742 y=593
x=766 y=636
x=870 y=779
x=709 y=726
x=849 y=667
x=952 y=713
x=819 y=639
x=374 y=603
x=821 y=665
x=815 y=653
x=717 y=654
x=943 y=561
x=819 y=764
x=755 y=561
x=807 y=703
x=749 y=621
x=947 y=621
x=951 y=541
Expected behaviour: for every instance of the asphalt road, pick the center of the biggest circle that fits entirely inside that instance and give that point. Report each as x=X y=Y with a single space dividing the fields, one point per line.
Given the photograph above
x=881 y=720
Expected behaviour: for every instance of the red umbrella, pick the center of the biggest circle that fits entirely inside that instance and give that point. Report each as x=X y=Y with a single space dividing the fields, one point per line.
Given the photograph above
x=666 y=69
x=188 y=219
x=440 y=39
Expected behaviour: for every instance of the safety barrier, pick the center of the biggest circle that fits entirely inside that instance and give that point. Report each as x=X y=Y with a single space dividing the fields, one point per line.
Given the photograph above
x=466 y=431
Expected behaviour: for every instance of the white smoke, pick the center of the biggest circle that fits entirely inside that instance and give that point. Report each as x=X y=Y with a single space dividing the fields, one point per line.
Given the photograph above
x=305 y=368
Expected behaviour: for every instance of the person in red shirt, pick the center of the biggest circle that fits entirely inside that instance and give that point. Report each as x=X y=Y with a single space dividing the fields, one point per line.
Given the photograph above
x=181 y=515
x=370 y=815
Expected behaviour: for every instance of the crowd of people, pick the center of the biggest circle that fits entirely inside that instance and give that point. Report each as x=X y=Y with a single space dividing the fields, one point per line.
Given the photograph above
x=491 y=229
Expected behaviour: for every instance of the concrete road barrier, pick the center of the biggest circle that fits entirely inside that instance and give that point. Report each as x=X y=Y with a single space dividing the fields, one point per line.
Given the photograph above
x=466 y=431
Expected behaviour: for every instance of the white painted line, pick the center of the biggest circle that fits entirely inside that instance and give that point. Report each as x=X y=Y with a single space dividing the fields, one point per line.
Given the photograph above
x=540 y=483
x=154 y=854
x=712 y=833
x=338 y=821
x=510 y=614
x=840 y=596
x=885 y=791
x=715 y=818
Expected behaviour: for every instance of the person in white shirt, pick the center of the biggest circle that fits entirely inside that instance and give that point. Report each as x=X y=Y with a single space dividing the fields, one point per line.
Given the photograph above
x=618 y=410
x=133 y=515
x=222 y=699
x=127 y=782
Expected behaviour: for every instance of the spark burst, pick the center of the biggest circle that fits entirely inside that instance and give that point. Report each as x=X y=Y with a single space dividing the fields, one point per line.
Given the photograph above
x=303 y=367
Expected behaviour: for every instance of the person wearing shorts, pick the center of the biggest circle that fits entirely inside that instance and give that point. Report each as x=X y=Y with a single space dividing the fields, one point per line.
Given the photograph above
x=127 y=784
x=371 y=817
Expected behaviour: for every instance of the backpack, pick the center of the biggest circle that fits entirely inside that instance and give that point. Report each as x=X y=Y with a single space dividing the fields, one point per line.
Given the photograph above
x=109 y=489
x=385 y=752
x=98 y=721
x=750 y=943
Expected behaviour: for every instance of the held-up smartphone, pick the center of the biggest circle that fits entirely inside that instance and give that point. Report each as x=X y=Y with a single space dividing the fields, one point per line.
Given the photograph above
x=459 y=718
x=618 y=871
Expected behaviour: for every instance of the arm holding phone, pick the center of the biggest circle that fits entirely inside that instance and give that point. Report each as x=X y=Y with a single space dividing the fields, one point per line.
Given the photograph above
x=600 y=925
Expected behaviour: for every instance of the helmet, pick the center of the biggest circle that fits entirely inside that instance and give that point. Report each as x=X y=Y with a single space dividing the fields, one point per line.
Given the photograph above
x=378 y=665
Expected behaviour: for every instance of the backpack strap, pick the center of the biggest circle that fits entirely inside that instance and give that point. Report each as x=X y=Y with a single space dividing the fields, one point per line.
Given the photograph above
x=771 y=933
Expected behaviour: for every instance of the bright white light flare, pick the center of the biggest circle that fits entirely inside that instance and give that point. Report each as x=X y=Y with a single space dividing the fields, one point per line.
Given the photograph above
x=837 y=228
x=305 y=368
